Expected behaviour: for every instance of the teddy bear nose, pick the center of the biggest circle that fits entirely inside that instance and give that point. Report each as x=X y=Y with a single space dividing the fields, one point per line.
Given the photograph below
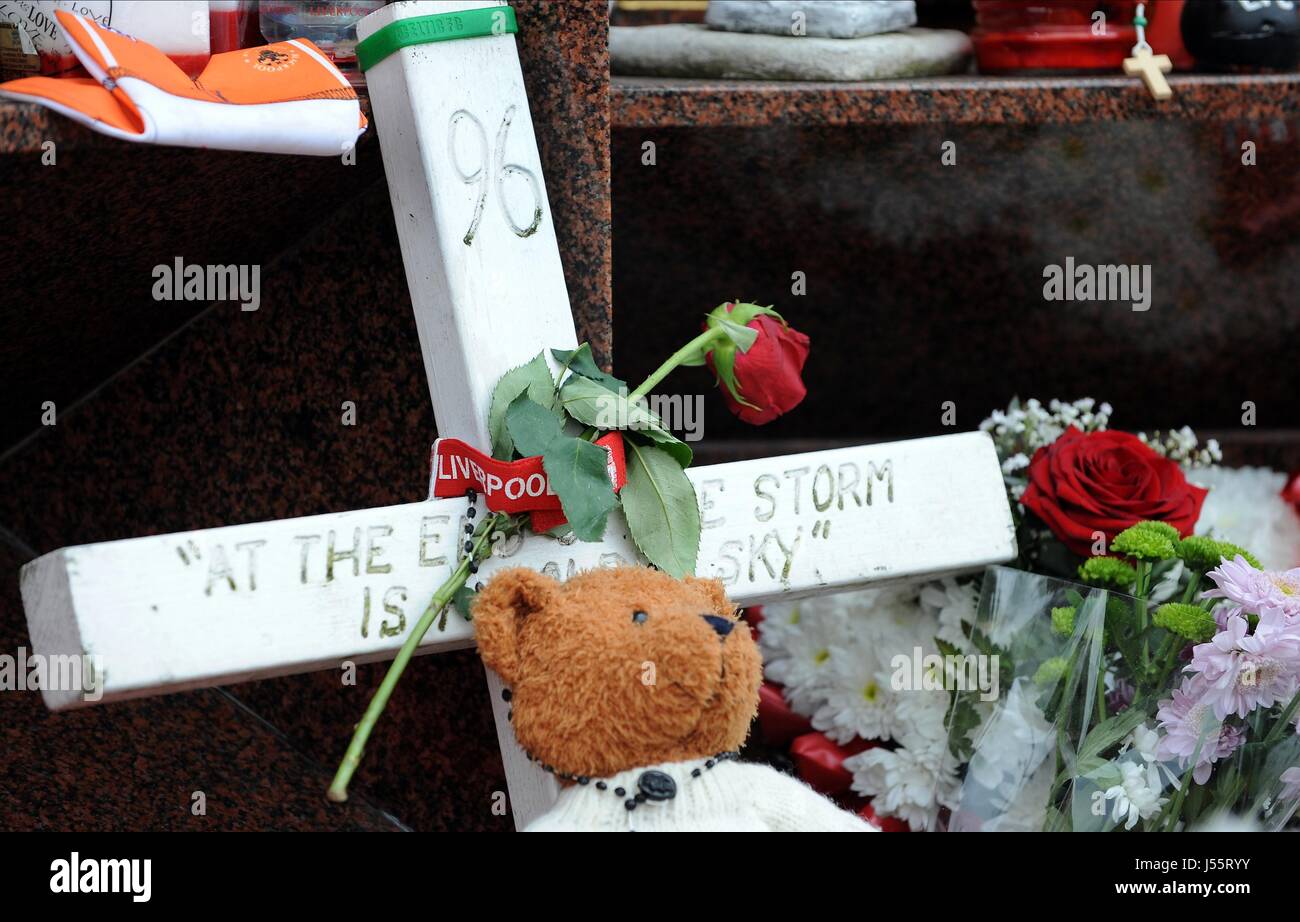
x=723 y=626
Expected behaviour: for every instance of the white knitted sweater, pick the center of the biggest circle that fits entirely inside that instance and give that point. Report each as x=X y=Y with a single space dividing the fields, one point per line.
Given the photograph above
x=730 y=797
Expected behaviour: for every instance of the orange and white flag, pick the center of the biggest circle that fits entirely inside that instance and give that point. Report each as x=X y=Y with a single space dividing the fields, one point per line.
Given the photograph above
x=285 y=98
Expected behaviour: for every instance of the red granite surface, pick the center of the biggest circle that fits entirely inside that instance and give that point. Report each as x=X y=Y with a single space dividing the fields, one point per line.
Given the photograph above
x=924 y=282
x=970 y=100
x=236 y=417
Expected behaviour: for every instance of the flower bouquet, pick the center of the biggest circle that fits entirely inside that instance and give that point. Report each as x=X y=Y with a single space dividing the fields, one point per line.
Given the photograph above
x=1121 y=674
x=1120 y=711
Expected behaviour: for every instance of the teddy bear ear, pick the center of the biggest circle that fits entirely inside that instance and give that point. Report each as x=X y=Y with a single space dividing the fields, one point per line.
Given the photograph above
x=499 y=611
x=715 y=592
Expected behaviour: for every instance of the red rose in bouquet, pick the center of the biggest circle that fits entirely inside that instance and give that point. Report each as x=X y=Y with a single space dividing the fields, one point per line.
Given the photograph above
x=1085 y=483
x=1291 y=492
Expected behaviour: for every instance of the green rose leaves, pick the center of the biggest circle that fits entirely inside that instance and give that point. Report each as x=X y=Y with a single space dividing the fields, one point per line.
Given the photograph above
x=531 y=416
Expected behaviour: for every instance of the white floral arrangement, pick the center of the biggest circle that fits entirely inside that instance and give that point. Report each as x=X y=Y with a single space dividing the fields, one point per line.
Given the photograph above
x=834 y=657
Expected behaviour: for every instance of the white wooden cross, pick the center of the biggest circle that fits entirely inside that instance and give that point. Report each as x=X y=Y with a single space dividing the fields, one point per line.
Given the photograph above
x=210 y=607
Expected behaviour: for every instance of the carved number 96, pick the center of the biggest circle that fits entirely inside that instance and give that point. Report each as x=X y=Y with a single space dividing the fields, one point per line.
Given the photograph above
x=502 y=170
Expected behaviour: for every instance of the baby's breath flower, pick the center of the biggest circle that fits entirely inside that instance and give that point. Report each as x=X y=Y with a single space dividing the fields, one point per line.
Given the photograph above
x=1107 y=571
x=1183 y=447
x=1016 y=462
x=1189 y=621
x=1023 y=428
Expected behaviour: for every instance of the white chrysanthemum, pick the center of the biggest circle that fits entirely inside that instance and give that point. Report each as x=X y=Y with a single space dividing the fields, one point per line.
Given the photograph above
x=799 y=658
x=833 y=654
x=1144 y=742
x=1012 y=744
x=859 y=700
x=886 y=617
x=781 y=622
x=1137 y=796
x=1245 y=507
x=903 y=784
x=920 y=721
x=954 y=605
x=1028 y=812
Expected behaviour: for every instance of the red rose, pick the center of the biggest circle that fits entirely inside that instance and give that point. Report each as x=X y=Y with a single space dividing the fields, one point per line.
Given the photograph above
x=1291 y=492
x=1104 y=482
x=764 y=381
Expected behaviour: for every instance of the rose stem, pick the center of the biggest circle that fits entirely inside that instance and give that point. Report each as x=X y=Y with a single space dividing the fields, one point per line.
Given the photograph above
x=338 y=790
x=681 y=355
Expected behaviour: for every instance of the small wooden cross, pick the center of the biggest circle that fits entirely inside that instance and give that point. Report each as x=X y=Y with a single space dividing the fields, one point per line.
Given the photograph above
x=171 y=612
x=1152 y=68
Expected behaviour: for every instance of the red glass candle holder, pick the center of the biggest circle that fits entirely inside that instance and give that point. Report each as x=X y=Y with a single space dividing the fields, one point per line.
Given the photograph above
x=1017 y=36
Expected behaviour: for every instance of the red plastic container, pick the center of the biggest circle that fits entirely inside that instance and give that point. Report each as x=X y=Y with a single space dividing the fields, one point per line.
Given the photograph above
x=1052 y=36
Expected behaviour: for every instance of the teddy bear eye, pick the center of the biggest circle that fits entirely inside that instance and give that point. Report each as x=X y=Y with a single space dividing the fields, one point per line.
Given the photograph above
x=638 y=617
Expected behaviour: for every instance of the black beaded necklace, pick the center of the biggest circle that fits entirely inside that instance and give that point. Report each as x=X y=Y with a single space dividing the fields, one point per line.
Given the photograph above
x=653 y=786
x=470 y=512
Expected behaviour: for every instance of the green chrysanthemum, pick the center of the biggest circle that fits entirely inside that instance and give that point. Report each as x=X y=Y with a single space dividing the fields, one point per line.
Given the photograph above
x=1051 y=671
x=1119 y=614
x=1160 y=528
x=1063 y=620
x=1110 y=572
x=1146 y=543
x=1230 y=551
x=1203 y=554
x=1190 y=621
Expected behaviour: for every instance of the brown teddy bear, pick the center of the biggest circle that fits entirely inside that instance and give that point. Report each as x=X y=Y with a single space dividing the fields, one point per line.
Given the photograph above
x=636 y=689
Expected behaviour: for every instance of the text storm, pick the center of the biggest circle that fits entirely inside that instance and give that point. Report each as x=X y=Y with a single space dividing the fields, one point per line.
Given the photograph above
x=790 y=517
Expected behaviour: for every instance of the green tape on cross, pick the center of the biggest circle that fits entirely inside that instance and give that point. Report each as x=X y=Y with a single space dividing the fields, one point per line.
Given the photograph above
x=441 y=27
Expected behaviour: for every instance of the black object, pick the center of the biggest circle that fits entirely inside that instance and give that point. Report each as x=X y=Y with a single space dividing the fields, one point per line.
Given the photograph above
x=1242 y=33
x=722 y=626
x=657 y=785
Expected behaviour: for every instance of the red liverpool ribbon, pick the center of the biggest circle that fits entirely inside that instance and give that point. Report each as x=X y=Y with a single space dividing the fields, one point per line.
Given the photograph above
x=510 y=486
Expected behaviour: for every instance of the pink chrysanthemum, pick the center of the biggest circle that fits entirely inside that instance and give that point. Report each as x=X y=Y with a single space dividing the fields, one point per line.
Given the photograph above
x=1245 y=671
x=1270 y=594
x=1121 y=696
x=1188 y=719
x=1290 y=784
x=1247 y=587
x=1223 y=614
